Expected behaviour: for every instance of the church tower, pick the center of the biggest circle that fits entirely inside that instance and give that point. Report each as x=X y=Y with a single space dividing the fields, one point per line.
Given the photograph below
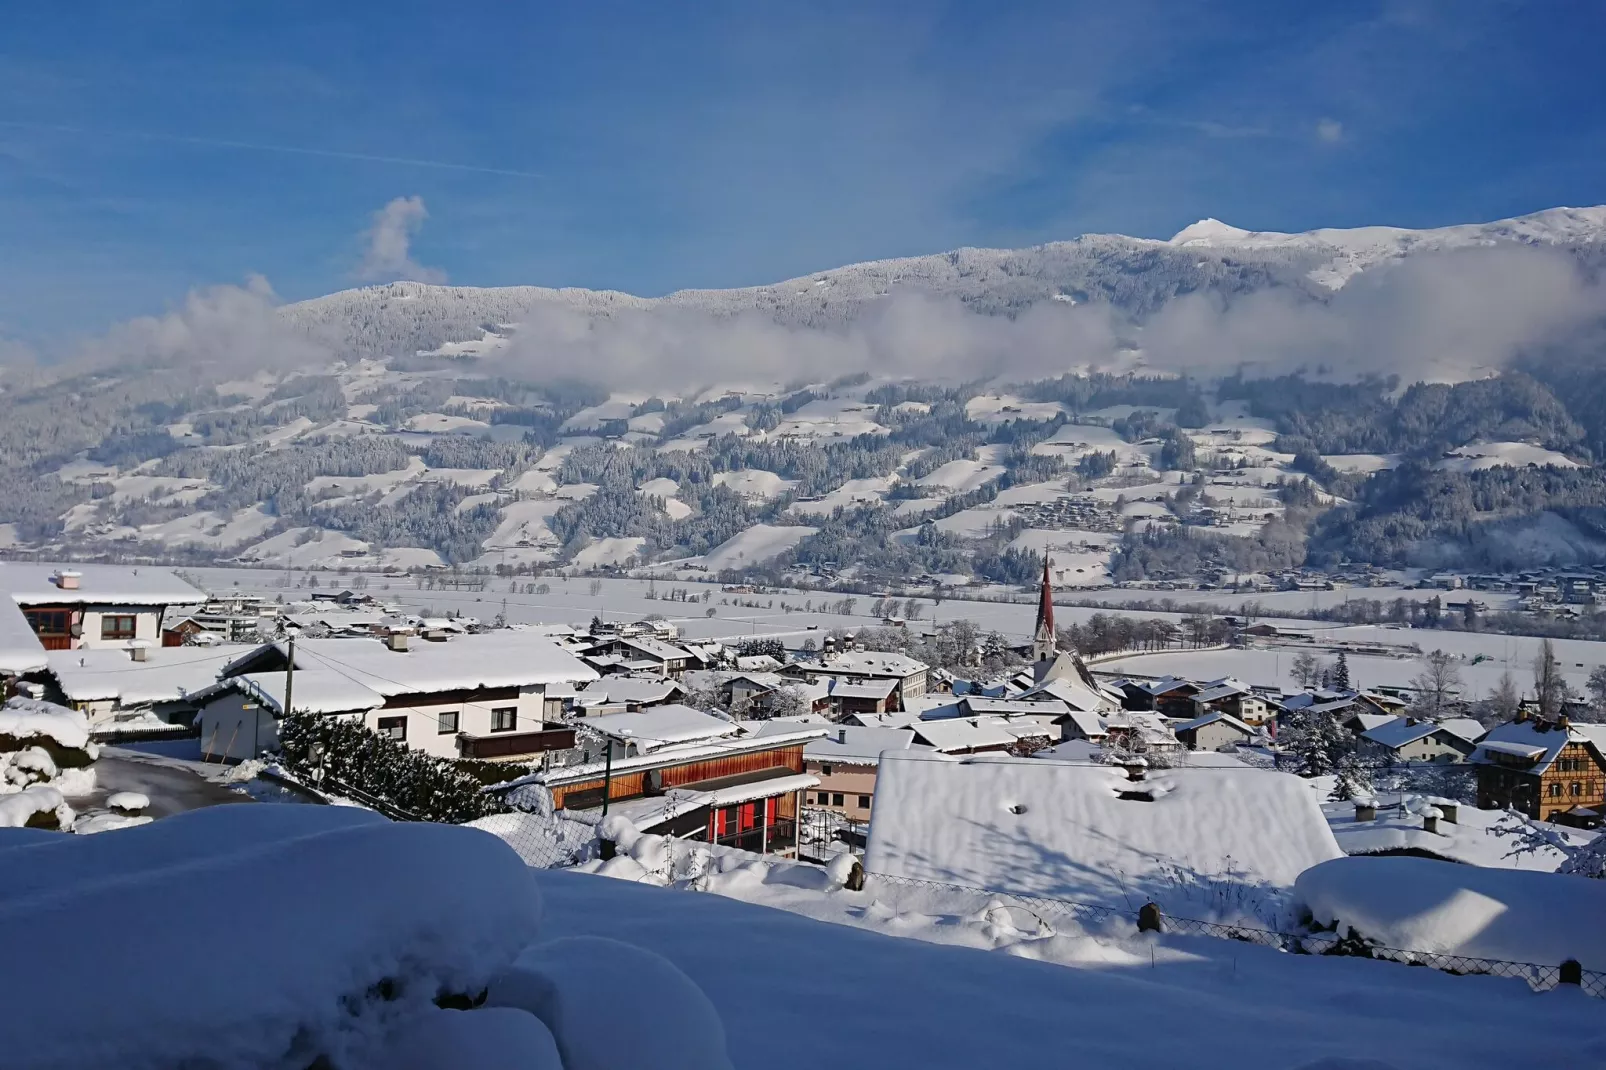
x=1043 y=637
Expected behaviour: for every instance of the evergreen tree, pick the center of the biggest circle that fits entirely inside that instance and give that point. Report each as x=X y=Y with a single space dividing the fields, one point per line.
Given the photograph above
x=1341 y=673
x=1317 y=742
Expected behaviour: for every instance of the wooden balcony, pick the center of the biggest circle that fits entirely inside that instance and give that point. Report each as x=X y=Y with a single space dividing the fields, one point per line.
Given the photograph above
x=501 y=745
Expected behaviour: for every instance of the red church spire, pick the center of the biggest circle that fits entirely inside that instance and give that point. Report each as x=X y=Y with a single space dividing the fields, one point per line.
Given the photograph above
x=1043 y=638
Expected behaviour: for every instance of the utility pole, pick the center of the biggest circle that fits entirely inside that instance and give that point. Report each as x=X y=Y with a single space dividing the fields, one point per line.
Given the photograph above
x=607 y=773
x=289 y=675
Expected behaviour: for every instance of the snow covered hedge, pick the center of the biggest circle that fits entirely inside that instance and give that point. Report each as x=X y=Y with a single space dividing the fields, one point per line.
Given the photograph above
x=283 y=937
x=425 y=787
x=1421 y=904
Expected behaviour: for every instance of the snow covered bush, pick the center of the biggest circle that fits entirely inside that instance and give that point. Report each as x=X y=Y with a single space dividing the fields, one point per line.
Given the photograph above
x=62 y=733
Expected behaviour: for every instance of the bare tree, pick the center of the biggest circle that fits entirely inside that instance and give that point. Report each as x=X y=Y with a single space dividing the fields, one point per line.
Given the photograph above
x=1306 y=669
x=1502 y=704
x=1550 y=687
x=1435 y=686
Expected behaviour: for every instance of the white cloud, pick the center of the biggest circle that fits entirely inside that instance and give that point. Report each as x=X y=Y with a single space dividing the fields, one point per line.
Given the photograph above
x=1330 y=130
x=388 y=252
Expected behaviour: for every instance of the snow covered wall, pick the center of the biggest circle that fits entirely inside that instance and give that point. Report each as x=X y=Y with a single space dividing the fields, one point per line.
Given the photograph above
x=1228 y=842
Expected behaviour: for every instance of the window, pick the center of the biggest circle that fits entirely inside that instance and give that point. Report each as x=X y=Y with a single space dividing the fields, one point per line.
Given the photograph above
x=394 y=727
x=864 y=802
x=836 y=799
x=822 y=797
x=1578 y=789
x=118 y=626
x=447 y=723
x=504 y=719
x=825 y=770
x=49 y=621
x=1555 y=790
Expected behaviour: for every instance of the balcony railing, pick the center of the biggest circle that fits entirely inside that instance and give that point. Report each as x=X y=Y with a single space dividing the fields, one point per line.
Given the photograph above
x=514 y=744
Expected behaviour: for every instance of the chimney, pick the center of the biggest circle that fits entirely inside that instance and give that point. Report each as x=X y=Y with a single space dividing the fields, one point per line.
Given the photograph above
x=397 y=641
x=68 y=580
x=1430 y=819
x=1365 y=811
x=139 y=652
x=1447 y=811
x=1136 y=768
x=842 y=735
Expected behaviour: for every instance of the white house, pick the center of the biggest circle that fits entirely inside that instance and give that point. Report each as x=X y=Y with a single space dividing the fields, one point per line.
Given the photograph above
x=864 y=666
x=1213 y=731
x=89 y=606
x=474 y=696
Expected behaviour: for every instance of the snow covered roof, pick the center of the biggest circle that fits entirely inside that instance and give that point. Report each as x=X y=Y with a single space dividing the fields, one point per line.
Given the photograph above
x=1061 y=829
x=615 y=689
x=872 y=690
x=656 y=649
x=1538 y=741
x=315 y=691
x=757 y=663
x=1221 y=691
x=30 y=584
x=672 y=755
x=1369 y=721
x=489 y=659
x=974 y=733
x=1467 y=728
x=1071 y=691
x=168 y=674
x=1212 y=718
x=864 y=663
x=848 y=744
x=979 y=706
x=660 y=726
x=20 y=649
x=1470 y=838
x=1403 y=730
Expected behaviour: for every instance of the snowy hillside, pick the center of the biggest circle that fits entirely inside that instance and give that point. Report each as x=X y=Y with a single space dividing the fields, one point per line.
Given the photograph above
x=1346 y=252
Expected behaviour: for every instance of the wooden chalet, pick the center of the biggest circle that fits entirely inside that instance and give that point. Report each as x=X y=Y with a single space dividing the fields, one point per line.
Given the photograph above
x=739 y=792
x=1549 y=770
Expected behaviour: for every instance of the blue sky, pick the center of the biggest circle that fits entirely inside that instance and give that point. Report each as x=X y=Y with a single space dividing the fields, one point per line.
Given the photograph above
x=148 y=148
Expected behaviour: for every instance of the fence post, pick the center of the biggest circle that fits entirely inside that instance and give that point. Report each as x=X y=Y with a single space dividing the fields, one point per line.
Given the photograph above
x=1572 y=972
x=1149 y=918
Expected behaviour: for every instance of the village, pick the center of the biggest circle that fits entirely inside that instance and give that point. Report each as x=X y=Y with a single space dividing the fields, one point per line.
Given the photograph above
x=626 y=748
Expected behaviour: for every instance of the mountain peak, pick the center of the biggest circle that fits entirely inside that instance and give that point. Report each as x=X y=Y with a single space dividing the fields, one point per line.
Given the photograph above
x=1206 y=231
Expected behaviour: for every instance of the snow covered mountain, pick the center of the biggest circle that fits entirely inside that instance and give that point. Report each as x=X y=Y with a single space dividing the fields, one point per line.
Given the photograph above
x=1137 y=276
x=1351 y=251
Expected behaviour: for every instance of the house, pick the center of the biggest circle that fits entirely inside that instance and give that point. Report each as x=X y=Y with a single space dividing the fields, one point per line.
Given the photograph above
x=1235 y=698
x=1415 y=739
x=1542 y=768
x=642 y=653
x=1142 y=729
x=1360 y=722
x=1215 y=730
x=475 y=696
x=710 y=786
x=846 y=760
x=864 y=666
x=1169 y=695
x=615 y=694
x=93 y=605
x=143 y=688
x=871 y=696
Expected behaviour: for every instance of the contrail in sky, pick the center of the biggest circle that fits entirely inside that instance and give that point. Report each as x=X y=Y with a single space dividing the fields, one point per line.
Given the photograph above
x=251 y=146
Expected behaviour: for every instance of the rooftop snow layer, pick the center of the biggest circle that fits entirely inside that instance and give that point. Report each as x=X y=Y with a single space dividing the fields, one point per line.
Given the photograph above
x=659 y=726
x=1063 y=830
x=31 y=585
x=489 y=659
x=168 y=675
